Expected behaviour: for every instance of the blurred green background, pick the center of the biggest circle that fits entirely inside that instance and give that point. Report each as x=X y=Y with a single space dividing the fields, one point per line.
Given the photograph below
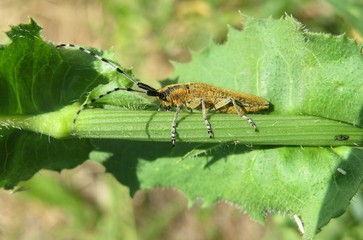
x=85 y=203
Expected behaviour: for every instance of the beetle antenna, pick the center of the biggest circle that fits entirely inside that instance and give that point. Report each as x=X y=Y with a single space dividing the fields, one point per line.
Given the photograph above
x=150 y=91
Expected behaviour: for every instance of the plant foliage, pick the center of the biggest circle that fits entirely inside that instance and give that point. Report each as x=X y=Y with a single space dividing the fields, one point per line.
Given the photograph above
x=299 y=72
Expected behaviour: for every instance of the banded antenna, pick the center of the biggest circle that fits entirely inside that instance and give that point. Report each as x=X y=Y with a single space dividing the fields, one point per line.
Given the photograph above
x=150 y=91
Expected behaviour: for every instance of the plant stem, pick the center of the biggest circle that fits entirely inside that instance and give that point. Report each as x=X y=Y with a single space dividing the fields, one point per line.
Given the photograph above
x=272 y=129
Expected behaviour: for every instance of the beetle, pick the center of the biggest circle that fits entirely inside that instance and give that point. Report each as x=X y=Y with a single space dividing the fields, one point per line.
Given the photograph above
x=193 y=95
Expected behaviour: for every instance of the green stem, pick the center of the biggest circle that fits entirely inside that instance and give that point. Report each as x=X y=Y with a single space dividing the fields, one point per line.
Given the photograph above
x=156 y=126
x=272 y=129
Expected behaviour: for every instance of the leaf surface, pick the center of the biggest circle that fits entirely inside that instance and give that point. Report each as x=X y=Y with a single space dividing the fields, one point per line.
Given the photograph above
x=300 y=73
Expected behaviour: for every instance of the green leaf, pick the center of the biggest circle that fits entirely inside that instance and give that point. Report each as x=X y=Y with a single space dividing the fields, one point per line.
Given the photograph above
x=309 y=78
x=300 y=73
x=265 y=181
x=24 y=154
x=297 y=71
x=38 y=84
x=286 y=180
x=31 y=30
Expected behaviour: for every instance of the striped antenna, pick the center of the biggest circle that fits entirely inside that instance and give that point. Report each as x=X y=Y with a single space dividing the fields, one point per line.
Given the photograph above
x=150 y=91
x=119 y=70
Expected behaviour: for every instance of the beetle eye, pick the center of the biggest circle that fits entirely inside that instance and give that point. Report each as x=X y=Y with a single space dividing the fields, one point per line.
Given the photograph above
x=162 y=96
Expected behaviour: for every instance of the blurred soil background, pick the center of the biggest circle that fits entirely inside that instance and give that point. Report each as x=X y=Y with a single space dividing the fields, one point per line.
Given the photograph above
x=85 y=203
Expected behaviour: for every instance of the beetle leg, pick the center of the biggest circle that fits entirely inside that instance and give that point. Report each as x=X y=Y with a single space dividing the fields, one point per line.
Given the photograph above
x=173 y=126
x=242 y=115
x=207 y=124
